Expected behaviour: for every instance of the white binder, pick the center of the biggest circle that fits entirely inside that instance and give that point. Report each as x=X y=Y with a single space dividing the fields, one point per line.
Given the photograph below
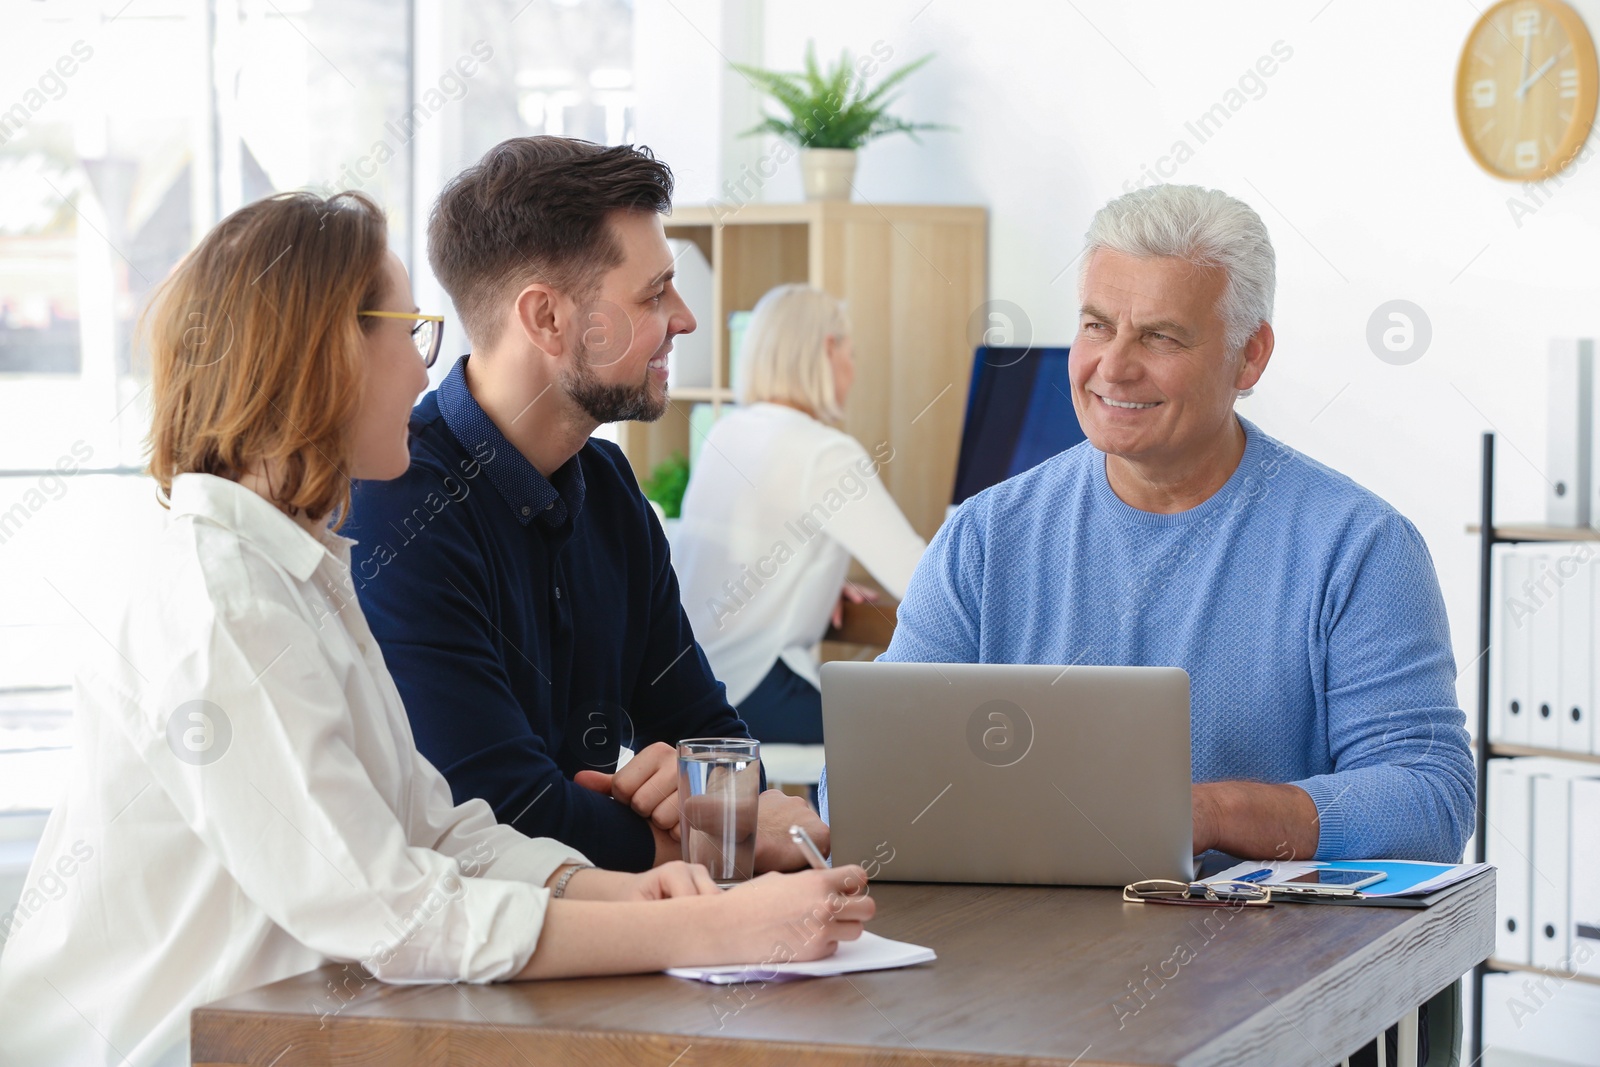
x=1576 y=710
x=1548 y=893
x=1584 y=897
x=1569 y=495
x=1544 y=652
x=1508 y=836
x=1592 y=730
x=1511 y=716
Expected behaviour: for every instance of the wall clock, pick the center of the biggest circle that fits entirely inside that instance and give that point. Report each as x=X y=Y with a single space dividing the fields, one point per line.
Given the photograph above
x=1526 y=88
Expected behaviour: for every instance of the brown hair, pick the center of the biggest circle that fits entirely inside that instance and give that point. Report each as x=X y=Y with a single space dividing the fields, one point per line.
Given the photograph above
x=535 y=209
x=256 y=349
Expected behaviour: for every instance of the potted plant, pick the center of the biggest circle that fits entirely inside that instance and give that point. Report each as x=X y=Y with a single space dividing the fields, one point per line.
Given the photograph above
x=831 y=115
x=667 y=483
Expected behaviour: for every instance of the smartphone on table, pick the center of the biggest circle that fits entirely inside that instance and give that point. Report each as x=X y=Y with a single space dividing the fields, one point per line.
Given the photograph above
x=1327 y=882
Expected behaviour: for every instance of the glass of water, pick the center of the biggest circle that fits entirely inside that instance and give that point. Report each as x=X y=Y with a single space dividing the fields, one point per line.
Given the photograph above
x=719 y=786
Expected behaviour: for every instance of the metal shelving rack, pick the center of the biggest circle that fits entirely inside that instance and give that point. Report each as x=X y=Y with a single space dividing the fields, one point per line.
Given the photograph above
x=1490 y=535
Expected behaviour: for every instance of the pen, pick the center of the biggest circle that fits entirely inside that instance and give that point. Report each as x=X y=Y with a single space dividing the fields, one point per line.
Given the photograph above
x=1255 y=876
x=809 y=847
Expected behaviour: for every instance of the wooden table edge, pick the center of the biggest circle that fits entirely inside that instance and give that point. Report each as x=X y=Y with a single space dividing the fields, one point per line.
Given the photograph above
x=567 y=1045
x=1455 y=910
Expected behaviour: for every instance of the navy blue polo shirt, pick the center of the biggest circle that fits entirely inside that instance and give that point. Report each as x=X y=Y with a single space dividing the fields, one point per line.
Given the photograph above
x=531 y=625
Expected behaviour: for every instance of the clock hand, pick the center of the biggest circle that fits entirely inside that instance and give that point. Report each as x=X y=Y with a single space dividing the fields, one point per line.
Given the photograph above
x=1527 y=57
x=1536 y=75
x=1527 y=43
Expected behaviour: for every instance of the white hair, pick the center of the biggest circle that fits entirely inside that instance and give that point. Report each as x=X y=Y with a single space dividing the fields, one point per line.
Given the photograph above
x=1206 y=227
x=785 y=352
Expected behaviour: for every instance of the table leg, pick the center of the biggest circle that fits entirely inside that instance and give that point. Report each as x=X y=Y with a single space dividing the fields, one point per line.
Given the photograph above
x=1406 y=1047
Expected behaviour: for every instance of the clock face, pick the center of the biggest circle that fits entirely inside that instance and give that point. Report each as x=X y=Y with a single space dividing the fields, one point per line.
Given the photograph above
x=1526 y=88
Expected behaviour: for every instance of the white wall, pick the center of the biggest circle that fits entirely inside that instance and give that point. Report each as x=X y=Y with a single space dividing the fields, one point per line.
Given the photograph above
x=1350 y=154
x=690 y=101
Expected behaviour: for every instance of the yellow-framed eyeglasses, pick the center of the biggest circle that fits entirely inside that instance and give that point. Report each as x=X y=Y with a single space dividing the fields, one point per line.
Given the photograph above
x=427 y=334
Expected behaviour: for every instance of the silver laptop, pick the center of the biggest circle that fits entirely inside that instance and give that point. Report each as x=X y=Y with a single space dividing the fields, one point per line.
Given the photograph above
x=1016 y=774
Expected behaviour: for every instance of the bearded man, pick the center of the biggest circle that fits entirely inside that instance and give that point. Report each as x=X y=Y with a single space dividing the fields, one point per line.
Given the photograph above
x=515 y=577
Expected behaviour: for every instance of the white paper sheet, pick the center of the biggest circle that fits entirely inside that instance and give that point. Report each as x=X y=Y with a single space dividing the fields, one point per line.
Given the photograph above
x=869 y=953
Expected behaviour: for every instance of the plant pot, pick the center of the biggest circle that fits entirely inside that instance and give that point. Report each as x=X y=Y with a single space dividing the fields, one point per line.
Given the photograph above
x=828 y=172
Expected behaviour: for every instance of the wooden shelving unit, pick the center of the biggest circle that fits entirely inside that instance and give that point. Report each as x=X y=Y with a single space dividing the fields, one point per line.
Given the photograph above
x=1552 y=753
x=1537 y=532
x=1490 y=535
x=698 y=394
x=914 y=278
x=1502 y=965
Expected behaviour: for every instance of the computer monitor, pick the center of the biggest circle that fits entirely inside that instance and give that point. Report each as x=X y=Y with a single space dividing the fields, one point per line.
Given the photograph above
x=1019 y=414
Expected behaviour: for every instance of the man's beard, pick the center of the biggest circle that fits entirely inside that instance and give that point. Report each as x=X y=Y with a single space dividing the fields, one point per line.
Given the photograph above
x=611 y=403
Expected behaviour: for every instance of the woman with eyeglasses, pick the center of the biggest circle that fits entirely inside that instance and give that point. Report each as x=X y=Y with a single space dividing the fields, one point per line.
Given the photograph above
x=246 y=801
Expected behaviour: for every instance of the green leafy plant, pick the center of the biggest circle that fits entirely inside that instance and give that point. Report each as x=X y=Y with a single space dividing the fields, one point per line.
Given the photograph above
x=832 y=109
x=667 y=482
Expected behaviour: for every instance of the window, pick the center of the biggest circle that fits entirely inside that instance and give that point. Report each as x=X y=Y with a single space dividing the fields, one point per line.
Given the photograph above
x=126 y=132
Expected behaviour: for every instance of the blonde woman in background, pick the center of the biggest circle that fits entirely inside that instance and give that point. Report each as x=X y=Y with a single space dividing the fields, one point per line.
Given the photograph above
x=777 y=504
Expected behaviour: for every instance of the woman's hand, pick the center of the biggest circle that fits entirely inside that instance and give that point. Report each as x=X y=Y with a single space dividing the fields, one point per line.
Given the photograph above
x=777 y=918
x=780 y=918
x=853 y=594
x=675 y=879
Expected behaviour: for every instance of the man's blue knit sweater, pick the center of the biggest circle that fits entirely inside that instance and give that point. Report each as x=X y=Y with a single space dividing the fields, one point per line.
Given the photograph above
x=1305 y=609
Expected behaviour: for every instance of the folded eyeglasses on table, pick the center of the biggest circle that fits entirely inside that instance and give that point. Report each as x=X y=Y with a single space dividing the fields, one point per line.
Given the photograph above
x=1198 y=894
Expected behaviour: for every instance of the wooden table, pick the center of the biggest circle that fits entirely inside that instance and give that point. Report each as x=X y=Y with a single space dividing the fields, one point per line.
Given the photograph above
x=1025 y=976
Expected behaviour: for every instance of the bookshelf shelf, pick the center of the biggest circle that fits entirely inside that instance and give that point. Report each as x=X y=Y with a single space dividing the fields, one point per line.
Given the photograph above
x=702 y=394
x=915 y=279
x=1529 y=531
x=1519 y=968
x=1500 y=749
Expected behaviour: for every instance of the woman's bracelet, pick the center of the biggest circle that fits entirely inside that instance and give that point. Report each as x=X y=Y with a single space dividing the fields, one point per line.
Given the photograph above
x=561 y=883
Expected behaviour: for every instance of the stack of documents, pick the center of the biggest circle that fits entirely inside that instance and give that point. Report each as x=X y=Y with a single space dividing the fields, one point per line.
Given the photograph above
x=869 y=953
x=1402 y=878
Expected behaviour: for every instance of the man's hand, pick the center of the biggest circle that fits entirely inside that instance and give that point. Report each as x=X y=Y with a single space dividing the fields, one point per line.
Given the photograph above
x=648 y=785
x=1255 y=820
x=776 y=813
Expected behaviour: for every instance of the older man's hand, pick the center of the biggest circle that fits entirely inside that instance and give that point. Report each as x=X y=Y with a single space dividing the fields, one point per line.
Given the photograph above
x=1255 y=820
x=777 y=812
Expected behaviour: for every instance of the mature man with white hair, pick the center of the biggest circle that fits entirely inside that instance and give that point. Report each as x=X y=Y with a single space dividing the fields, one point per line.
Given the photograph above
x=1305 y=609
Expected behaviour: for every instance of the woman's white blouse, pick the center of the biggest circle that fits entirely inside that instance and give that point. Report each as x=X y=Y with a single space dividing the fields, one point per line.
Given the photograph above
x=247 y=803
x=777 y=504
